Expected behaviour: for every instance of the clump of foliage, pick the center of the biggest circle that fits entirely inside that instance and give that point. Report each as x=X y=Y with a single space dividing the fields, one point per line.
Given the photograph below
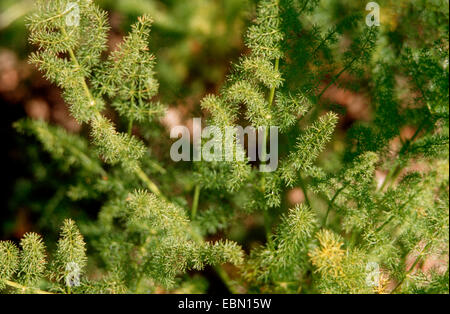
x=147 y=238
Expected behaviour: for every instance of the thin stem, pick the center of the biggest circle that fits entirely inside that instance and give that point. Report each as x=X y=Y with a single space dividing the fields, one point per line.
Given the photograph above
x=304 y=6
x=336 y=77
x=392 y=216
x=407 y=146
x=418 y=259
x=150 y=184
x=392 y=176
x=24 y=288
x=195 y=201
x=270 y=101
x=324 y=41
x=330 y=205
x=305 y=192
x=226 y=279
x=384 y=224
x=388 y=176
x=354 y=238
x=272 y=90
x=130 y=127
x=267 y=218
x=395 y=172
x=77 y=64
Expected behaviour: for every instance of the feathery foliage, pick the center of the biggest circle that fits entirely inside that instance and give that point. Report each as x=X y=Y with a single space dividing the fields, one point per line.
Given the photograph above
x=373 y=209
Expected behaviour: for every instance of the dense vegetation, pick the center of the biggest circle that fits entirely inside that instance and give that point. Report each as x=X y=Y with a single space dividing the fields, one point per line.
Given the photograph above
x=374 y=198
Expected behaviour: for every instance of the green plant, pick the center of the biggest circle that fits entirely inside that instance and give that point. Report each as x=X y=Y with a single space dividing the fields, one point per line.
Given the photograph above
x=147 y=237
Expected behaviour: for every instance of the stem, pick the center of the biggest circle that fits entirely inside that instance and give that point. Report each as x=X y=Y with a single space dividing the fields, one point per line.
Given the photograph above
x=406 y=147
x=305 y=192
x=336 y=77
x=394 y=175
x=270 y=101
x=330 y=205
x=24 y=288
x=267 y=218
x=77 y=64
x=226 y=279
x=130 y=127
x=354 y=239
x=395 y=172
x=384 y=224
x=388 y=176
x=419 y=257
x=304 y=6
x=150 y=184
x=195 y=201
x=392 y=216
x=272 y=90
x=324 y=41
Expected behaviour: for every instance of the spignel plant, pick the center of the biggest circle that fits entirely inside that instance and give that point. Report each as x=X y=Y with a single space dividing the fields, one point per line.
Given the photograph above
x=370 y=196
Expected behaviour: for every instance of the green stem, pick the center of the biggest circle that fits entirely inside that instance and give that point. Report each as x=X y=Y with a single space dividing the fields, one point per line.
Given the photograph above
x=150 y=184
x=77 y=64
x=303 y=186
x=24 y=288
x=392 y=216
x=384 y=224
x=418 y=259
x=330 y=205
x=130 y=127
x=270 y=101
x=271 y=97
x=272 y=90
x=387 y=179
x=226 y=279
x=268 y=225
x=395 y=172
x=199 y=239
x=354 y=239
x=336 y=77
x=195 y=201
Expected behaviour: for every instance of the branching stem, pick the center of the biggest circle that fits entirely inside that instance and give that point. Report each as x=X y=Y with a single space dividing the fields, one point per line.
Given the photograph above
x=139 y=172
